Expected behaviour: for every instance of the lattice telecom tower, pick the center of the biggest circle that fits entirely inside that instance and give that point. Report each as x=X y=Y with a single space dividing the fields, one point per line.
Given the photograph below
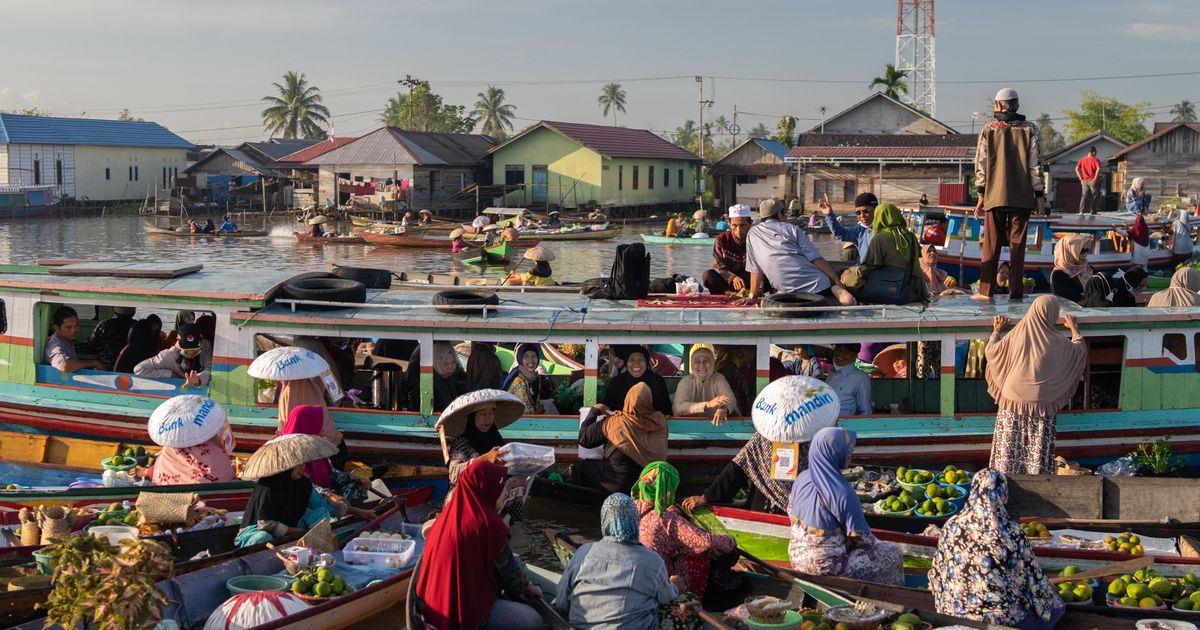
x=915 y=53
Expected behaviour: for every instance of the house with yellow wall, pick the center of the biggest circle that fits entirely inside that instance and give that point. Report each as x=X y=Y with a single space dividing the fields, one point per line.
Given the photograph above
x=89 y=158
x=570 y=165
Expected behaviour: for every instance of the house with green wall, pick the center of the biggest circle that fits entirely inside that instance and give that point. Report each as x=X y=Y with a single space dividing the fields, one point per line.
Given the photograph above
x=573 y=164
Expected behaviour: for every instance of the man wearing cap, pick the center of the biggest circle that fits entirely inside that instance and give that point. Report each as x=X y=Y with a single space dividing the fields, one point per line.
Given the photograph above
x=190 y=359
x=858 y=235
x=1008 y=178
x=728 y=272
x=780 y=253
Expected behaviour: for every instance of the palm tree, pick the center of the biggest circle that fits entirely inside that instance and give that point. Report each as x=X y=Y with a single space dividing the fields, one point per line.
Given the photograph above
x=297 y=112
x=1185 y=111
x=787 y=126
x=759 y=131
x=494 y=113
x=685 y=136
x=892 y=82
x=393 y=114
x=612 y=98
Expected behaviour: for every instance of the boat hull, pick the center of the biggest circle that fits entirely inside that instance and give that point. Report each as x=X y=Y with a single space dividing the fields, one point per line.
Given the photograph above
x=532 y=238
x=301 y=237
x=675 y=240
x=403 y=240
x=170 y=232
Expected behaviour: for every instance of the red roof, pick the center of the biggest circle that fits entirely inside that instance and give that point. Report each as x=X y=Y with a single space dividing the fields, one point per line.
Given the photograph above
x=879 y=152
x=616 y=142
x=320 y=148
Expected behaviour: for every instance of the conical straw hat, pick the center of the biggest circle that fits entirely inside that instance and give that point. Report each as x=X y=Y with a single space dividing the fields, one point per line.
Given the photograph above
x=458 y=232
x=285 y=453
x=319 y=219
x=538 y=254
x=453 y=420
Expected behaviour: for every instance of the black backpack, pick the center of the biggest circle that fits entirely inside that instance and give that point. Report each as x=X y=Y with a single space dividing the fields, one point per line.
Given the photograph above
x=630 y=277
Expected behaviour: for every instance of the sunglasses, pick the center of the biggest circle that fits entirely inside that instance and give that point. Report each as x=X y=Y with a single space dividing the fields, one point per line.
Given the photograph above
x=861 y=212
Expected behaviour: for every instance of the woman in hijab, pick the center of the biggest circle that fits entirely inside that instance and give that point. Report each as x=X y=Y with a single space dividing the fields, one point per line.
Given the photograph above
x=1185 y=284
x=830 y=535
x=203 y=463
x=984 y=568
x=632 y=438
x=1127 y=285
x=467 y=561
x=483 y=367
x=750 y=473
x=1032 y=372
x=525 y=381
x=705 y=392
x=894 y=245
x=1137 y=200
x=1071 y=270
x=637 y=370
x=1139 y=241
x=1182 y=245
x=481 y=440
x=1096 y=292
x=308 y=420
x=686 y=549
x=615 y=582
x=936 y=280
x=310 y=391
x=449 y=379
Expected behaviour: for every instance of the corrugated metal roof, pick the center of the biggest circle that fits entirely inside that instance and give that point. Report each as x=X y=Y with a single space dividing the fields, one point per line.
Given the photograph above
x=775 y=148
x=320 y=148
x=278 y=147
x=18 y=129
x=614 y=142
x=391 y=145
x=1161 y=131
x=886 y=140
x=879 y=152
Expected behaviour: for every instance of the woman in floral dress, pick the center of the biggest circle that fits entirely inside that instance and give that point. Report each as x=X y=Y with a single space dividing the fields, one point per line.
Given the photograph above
x=524 y=381
x=830 y=535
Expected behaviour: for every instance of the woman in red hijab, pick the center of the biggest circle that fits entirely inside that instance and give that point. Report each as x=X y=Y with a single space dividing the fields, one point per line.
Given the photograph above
x=467 y=561
x=1139 y=239
x=309 y=419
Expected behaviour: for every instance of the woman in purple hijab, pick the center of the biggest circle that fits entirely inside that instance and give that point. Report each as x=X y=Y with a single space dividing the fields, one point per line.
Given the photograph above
x=830 y=535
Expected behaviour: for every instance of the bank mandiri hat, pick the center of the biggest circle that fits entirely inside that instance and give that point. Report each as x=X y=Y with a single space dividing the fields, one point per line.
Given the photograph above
x=794 y=408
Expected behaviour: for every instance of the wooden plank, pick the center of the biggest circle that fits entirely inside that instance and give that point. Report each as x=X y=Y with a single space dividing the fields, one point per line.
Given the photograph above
x=1151 y=498
x=1058 y=496
x=126 y=270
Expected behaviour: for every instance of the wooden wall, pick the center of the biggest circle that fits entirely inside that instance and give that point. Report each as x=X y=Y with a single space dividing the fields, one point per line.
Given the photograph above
x=900 y=184
x=1170 y=164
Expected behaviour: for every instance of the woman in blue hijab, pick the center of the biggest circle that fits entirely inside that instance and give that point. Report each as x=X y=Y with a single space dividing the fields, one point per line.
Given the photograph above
x=524 y=381
x=830 y=535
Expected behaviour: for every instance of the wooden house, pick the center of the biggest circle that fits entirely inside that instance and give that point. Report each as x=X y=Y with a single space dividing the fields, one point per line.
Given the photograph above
x=1169 y=159
x=755 y=170
x=249 y=173
x=1062 y=187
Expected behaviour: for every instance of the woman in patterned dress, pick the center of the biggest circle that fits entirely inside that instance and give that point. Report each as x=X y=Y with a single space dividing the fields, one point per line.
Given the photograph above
x=984 y=568
x=1032 y=372
x=524 y=381
x=830 y=535
x=472 y=424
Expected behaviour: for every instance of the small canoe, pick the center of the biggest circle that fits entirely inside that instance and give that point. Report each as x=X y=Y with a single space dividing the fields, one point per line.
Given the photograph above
x=497 y=255
x=675 y=240
x=404 y=240
x=301 y=237
x=150 y=229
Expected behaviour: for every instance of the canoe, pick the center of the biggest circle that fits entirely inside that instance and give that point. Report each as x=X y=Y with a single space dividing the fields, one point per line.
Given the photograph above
x=150 y=229
x=499 y=254
x=301 y=237
x=602 y=234
x=676 y=240
x=403 y=240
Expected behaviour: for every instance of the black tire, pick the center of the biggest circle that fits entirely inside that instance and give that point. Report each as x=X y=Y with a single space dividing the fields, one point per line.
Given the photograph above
x=325 y=290
x=797 y=304
x=461 y=298
x=372 y=278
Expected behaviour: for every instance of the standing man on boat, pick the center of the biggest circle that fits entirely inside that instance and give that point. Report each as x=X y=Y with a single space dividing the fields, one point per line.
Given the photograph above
x=728 y=272
x=1088 y=172
x=60 y=348
x=858 y=235
x=1008 y=178
x=782 y=254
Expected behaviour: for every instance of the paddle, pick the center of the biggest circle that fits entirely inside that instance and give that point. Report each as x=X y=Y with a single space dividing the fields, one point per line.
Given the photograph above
x=1127 y=566
x=512 y=271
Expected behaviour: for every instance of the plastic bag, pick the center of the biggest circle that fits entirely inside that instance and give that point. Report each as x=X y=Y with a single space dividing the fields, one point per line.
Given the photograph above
x=689 y=288
x=526 y=459
x=584 y=452
x=1122 y=467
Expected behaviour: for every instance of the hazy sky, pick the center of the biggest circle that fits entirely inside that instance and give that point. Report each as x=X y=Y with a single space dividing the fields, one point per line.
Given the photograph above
x=199 y=67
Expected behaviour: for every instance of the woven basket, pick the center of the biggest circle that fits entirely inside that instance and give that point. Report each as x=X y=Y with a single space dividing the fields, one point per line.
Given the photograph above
x=55 y=522
x=31 y=532
x=166 y=507
x=320 y=538
x=1189 y=547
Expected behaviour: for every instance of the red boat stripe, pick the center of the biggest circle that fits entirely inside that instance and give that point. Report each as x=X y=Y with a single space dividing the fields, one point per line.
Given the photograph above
x=1150 y=362
x=590 y=372
x=16 y=341
x=232 y=360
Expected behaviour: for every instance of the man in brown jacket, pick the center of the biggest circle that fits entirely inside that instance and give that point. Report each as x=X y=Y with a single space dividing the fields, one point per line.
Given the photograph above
x=1008 y=177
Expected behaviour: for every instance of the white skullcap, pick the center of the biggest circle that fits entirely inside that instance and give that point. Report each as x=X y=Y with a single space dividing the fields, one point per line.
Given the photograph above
x=1006 y=94
x=740 y=210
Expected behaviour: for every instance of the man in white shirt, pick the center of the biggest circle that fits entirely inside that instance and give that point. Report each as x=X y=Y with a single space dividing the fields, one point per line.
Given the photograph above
x=852 y=385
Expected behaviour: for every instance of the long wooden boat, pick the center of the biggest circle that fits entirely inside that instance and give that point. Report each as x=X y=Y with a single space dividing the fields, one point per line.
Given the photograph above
x=152 y=229
x=595 y=233
x=403 y=240
x=677 y=240
x=1134 y=389
x=302 y=237
x=498 y=254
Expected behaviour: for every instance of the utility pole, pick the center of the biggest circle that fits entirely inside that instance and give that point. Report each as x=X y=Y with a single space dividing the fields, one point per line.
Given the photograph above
x=822 y=108
x=700 y=148
x=735 y=129
x=410 y=82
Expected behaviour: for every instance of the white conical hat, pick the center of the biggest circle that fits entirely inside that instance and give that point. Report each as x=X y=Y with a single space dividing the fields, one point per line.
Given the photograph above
x=794 y=408
x=288 y=363
x=185 y=421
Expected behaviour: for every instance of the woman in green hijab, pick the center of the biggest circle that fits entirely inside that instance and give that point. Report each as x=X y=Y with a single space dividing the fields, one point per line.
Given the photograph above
x=894 y=245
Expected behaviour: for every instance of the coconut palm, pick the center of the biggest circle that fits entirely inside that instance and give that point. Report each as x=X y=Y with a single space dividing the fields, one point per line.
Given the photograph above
x=393 y=114
x=494 y=114
x=297 y=111
x=892 y=81
x=685 y=136
x=787 y=127
x=759 y=130
x=612 y=98
x=1185 y=111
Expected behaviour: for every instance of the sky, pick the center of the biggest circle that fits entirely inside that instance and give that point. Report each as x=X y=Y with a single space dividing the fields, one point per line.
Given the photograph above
x=200 y=68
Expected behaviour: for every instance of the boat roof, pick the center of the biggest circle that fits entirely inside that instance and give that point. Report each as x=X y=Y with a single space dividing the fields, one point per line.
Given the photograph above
x=508 y=212
x=410 y=310
x=249 y=288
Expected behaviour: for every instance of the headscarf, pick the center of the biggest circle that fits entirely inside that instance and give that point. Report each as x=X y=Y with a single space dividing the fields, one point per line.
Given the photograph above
x=1096 y=291
x=1125 y=286
x=306 y=391
x=619 y=385
x=1185 y=284
x=457 y=583
x=1033 y=371
x=619 y=519
x=519 y=352
x=278 y=498
x=934 y=277
x=1138 y=184
x=984 y=568
x=889 y=220
x=481 y=441
x=142 y=342
x=711 y=387
x=308 y=420
x=1139 y=232
x=1069 y=257
x=1181 y=235
x=541 y=269
x=483 y=367
x=657 y=484
x=203 y=463
x=755 y=460
x=822 y=499
x=638 y=430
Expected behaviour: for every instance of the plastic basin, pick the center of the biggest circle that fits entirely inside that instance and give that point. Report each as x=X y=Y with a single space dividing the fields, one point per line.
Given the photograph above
x=44 y=561
x=254 y=583
x=791 y=621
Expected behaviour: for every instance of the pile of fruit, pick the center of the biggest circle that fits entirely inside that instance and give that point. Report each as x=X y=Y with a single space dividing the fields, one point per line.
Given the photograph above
x=934 y=491
x=322 y=582
x=117 y=514
x=1035 y=531
x=1125 y=543
x=935 y=507
x=898 y=503
x=118 y=461
x=1076 y=591
x=907 y=621
x=913 y=476
x=1147 y=588
x=954 y=476
x=139 y=454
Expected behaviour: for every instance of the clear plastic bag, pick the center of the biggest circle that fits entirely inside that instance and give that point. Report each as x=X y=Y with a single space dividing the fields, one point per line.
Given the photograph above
x=1122 y=467
x=526 y=459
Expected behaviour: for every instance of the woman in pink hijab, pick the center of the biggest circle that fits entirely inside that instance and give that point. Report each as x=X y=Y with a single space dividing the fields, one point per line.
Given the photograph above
x=207 y=462
x=309 y=420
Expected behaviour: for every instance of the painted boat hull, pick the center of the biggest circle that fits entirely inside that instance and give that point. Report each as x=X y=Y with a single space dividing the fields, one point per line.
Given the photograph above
x=150 y=229
x=301 y=237
x=532 y=238
x=499 y=255
x=403 y=240
x=675 y=240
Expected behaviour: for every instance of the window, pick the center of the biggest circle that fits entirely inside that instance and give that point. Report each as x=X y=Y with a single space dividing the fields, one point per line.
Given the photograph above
x=666 y=177
x=37 y=172
x=1176 y=345
x=107 y=173
x=164 y=179
x=747 y=179
x=848 y=188
x=130 y=173
x=650 y=177
x=680 y=179
x=635 y=177
x=136 y=175
x=514 y=174
x=620 y=177
x=58 y=172
x=837 y=190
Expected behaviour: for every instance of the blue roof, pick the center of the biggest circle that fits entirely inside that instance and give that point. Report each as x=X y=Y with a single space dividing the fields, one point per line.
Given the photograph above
x=17 y=129
x=775 y=148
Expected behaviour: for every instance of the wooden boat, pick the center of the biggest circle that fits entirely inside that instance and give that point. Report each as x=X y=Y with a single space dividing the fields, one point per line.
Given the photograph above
x=302 y=237
x=27 y=201
x=403 y=240
x=1134 y=389
x=600 y=232
x=676 y=240
x=498 y=254
x=153 y=229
